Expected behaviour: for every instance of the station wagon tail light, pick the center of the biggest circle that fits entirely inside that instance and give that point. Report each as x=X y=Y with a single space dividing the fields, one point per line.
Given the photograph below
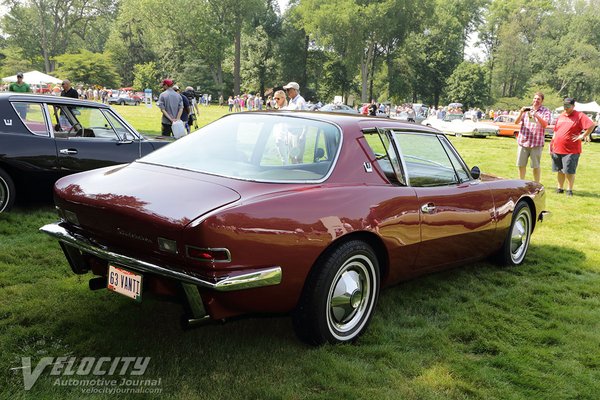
x=208 y=254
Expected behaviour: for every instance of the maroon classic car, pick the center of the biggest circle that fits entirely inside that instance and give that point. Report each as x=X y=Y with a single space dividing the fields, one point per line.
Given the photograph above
x=290 y=212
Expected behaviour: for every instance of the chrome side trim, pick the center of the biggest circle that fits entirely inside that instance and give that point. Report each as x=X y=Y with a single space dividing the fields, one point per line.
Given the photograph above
x=265 y=277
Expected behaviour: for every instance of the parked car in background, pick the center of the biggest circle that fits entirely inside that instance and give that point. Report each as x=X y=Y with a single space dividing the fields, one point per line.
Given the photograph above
x=507 y=126
x=454 y=124
x=338 y=108
x=43 y=138
x=123 y=98
x=41 y=88
x=291 y=212
x=595 y=135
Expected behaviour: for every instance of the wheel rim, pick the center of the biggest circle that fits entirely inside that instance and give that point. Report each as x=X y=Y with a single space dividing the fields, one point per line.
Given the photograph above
x=4 y=194
x=351 y=297
x=519 y=236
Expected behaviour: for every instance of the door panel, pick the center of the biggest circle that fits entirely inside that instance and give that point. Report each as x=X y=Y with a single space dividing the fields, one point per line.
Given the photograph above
x=456 y=225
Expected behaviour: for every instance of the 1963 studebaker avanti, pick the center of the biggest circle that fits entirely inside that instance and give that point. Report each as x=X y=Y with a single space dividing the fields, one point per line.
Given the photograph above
x=290 y=212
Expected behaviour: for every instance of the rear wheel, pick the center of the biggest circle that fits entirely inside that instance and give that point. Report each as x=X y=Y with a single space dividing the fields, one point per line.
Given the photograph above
x=7 y=191
x=339 y=296
x=516 y=243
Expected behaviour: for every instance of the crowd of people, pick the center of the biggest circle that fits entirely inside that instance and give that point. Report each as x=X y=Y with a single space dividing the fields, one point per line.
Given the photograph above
x=571 y=127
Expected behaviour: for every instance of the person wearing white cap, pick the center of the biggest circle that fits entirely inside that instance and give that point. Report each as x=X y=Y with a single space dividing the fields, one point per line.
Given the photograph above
x=296 y=102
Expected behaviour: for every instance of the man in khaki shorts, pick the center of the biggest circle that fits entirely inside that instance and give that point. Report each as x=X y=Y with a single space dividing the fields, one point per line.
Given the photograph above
x=533 y=120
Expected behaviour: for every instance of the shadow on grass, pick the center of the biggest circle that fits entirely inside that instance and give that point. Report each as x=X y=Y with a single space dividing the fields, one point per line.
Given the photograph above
x=464 y=315
x=105 y=316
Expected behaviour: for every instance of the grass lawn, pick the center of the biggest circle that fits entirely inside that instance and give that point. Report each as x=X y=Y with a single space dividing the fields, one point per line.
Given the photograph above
x=147 y=119
x=476 y=332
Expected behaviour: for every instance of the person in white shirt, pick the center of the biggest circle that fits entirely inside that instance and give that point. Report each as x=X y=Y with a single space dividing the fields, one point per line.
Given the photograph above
x=296 y=101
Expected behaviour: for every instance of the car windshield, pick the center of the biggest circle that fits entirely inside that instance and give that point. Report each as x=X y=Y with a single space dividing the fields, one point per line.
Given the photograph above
x=453 y=117
x=268 y=148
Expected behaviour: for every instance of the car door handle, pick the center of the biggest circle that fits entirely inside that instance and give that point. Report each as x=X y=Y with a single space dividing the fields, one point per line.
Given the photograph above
x=67 y=151
x=428 y=208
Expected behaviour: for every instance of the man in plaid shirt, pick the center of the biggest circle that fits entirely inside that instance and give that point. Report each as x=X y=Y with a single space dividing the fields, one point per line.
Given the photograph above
x=533 y=120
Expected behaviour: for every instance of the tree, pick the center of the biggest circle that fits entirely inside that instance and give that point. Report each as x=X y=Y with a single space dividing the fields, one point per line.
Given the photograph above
x=88 y=68
x=128 y=42
x=146 y=76
x=46 y=27
x=468 y=85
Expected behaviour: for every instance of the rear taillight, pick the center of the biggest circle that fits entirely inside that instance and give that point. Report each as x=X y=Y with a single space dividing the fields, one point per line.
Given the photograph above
x=208 y=254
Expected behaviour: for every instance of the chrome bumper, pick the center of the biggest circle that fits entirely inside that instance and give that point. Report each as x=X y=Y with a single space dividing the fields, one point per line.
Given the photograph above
x=264 y=277
x=544 y=215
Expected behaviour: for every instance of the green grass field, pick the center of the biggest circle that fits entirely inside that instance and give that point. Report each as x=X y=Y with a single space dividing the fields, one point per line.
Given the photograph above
x=475 y=332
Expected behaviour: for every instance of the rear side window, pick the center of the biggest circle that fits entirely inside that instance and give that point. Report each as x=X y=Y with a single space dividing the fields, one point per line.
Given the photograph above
x=33 y=116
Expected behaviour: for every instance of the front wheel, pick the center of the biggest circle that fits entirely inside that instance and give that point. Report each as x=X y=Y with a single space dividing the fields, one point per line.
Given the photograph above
x=516 y=243
x=339 y=296
x=7 y=191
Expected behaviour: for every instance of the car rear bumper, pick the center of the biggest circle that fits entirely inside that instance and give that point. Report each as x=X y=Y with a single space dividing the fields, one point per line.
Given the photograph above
x=236 y=281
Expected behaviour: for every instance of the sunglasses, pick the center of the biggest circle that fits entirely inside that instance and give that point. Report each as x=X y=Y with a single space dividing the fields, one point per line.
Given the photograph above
x=278 y=98
x=568 y=105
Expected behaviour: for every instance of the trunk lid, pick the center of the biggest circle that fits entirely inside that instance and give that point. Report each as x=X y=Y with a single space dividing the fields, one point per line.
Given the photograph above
x=131 y=206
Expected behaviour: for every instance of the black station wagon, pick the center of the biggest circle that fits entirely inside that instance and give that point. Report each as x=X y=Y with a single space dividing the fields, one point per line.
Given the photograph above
x=43 y=138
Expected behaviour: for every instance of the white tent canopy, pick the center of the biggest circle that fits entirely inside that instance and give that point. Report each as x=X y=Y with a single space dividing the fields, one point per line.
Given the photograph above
x=34 y=78
x=592 y=106
x=587 y=107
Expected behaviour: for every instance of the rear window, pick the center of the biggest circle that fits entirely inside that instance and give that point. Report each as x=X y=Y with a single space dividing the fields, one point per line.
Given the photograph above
x=269 y=148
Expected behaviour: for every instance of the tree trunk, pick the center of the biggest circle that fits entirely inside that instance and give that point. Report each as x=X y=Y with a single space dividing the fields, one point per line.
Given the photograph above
x=364 y=71
x=237 y=58
x=304 y=82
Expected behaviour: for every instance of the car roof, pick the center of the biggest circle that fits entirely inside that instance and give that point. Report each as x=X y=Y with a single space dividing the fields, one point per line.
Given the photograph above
x=39 y=98
x=364 y=122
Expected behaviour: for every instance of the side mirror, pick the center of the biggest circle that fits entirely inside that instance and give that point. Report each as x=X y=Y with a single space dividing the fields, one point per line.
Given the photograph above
x=475 y=172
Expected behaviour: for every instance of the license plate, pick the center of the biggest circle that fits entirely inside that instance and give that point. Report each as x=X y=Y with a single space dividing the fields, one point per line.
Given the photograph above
x=125 y=282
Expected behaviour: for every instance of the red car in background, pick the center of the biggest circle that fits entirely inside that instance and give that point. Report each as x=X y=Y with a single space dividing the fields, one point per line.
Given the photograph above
x=290 y=212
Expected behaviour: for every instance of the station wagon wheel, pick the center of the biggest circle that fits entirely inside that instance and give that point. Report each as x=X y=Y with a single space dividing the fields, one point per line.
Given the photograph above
x=516 y=242
x=7 y=191
x=339 y=296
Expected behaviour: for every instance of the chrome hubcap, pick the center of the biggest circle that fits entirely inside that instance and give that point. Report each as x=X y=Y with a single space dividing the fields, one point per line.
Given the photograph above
x=519 y=237
x=351 y=295
x=345 y=301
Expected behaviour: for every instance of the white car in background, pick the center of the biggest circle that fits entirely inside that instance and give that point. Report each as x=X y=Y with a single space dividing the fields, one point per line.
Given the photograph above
x=455 y=124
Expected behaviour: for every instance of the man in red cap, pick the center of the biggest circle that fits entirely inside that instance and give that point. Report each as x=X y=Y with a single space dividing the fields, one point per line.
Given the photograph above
x=170 y=104
x=565 y=146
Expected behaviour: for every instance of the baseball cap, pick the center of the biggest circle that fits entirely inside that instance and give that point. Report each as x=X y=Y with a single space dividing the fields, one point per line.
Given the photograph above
x=292 y=85
x=175 y=87
x=569 y=100
x=167 y=82
x=19 y=74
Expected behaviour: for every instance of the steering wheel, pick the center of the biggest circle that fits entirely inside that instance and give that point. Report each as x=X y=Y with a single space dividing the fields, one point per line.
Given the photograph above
x=73 y=128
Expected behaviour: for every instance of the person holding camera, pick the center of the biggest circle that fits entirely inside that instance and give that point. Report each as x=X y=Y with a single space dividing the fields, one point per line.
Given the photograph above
x=530 y=141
